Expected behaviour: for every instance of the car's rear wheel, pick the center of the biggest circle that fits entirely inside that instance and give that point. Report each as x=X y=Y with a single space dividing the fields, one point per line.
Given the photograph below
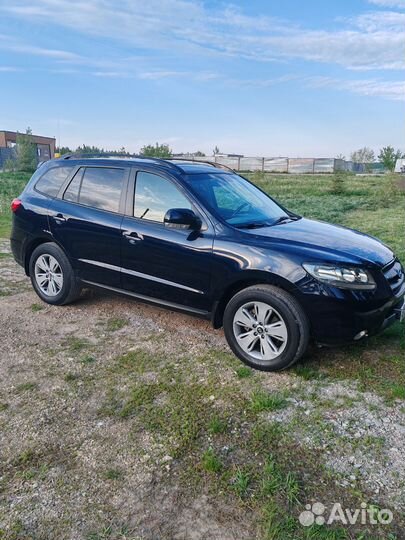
x=266 y=327
x=52 y=275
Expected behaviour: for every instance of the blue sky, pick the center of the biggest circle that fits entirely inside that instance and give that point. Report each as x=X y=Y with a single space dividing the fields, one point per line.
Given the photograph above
x=291 y=78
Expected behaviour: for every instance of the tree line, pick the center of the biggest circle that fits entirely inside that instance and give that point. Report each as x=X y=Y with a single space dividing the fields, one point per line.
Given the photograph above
x=150 y=150
x=388 y=156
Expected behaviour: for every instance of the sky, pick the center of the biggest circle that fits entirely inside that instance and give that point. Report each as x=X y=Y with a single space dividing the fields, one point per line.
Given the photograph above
x=261 y=78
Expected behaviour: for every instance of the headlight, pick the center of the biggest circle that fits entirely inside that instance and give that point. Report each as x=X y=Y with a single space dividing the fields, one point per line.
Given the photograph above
x=341 y=276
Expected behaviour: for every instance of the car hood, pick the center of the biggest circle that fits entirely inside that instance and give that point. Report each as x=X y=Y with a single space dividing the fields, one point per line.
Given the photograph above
x=323 y=239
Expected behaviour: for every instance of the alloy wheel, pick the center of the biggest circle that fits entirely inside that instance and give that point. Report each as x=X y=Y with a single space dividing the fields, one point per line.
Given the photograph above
x=48 y=275
x=260 y=331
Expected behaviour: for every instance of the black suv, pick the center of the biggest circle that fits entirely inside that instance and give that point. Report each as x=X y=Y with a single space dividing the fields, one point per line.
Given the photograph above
x=202 y=239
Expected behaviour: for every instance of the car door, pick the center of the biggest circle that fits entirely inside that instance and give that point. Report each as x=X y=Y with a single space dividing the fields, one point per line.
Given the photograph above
x=86 y=221
x=170 y=265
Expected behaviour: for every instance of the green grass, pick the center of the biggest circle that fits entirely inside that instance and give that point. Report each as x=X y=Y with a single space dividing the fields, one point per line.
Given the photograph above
x=263 y=401
x=38 y=473
x=243 y=372
x=112 y=532
x=247 y=461
x=71 y=377
x=307 y=372
x=275 y=480
x=11 y=185
x=37 y=307
x=398 y=391
x=240 y=482
x=113 y=474
x=377 y=364
x=88 y=359
x=211 y=462
x=217 y=425
x=136 y=361
x=75 y=344
x=178 y=421
x=116 y=323
x=26 y=387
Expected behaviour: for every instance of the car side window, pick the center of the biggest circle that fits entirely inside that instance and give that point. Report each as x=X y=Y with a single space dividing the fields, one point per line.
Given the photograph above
x=155 y=195
x=99 y=187
x=52 y=180
x=72 y=192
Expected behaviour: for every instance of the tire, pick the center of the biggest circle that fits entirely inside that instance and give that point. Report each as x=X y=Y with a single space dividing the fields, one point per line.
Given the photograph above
x=266 y=328
x=52 y=275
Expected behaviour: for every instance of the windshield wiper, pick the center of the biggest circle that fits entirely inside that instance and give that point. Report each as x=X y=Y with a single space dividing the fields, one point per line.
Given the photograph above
x=283 y=219
x=252 y=225
x=258 y=224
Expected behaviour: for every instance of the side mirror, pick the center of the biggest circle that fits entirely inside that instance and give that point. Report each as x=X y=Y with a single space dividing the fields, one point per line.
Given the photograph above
x=182 y=218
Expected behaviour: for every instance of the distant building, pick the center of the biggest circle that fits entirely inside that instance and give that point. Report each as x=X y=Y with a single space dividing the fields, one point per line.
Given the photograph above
x=45 y=146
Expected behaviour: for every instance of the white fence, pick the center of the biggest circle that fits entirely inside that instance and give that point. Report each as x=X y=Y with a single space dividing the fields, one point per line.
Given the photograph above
x=283 y=164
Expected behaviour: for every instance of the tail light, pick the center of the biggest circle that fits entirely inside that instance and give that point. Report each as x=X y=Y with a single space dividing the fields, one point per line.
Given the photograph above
x=15 y=205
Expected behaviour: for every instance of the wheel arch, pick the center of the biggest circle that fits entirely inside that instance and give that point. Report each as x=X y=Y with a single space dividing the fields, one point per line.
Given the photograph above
x=249 y=278
x=33 y=244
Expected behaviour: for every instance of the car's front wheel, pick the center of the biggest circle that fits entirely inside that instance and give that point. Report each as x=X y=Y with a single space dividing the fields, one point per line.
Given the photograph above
x=266 y=327
x=52 y=275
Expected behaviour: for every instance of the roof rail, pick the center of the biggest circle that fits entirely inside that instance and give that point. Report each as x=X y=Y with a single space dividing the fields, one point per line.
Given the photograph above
x=128 y=156
x=197 y=161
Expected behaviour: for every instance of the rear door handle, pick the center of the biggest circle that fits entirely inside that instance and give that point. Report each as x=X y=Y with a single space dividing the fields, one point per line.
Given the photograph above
x=132 y=237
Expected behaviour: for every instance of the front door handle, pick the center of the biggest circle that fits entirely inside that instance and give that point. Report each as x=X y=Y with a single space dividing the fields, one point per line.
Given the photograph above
x=60 y=217
x=132 y=237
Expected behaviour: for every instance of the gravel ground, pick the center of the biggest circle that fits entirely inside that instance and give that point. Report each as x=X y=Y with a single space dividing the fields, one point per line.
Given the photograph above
x=362 y=438
x=66 y=470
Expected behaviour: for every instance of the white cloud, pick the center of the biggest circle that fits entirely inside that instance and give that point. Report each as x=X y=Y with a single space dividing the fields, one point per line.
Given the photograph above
x=260 y=83
x=392 y=90
x=369 y=41
x=111 y=74
x=378 y=21
x=33 y=50
x=400 y=4
x=157 y=75
x=6 y=69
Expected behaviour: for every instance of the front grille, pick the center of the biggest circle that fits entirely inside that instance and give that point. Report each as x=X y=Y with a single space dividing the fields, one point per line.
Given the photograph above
x=394 y=274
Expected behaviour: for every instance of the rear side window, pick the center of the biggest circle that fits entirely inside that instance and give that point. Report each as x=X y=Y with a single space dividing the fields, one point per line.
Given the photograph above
x=99 y=187
x=52 y=180
x=72 y=192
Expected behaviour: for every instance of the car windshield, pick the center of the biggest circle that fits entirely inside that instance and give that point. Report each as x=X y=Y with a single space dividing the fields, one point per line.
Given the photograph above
x=235 y=200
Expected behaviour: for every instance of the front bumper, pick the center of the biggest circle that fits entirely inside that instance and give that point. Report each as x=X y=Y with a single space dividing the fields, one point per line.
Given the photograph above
x=337 y=317
x=345 y=325
x=397 y=315
x=377 y=320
